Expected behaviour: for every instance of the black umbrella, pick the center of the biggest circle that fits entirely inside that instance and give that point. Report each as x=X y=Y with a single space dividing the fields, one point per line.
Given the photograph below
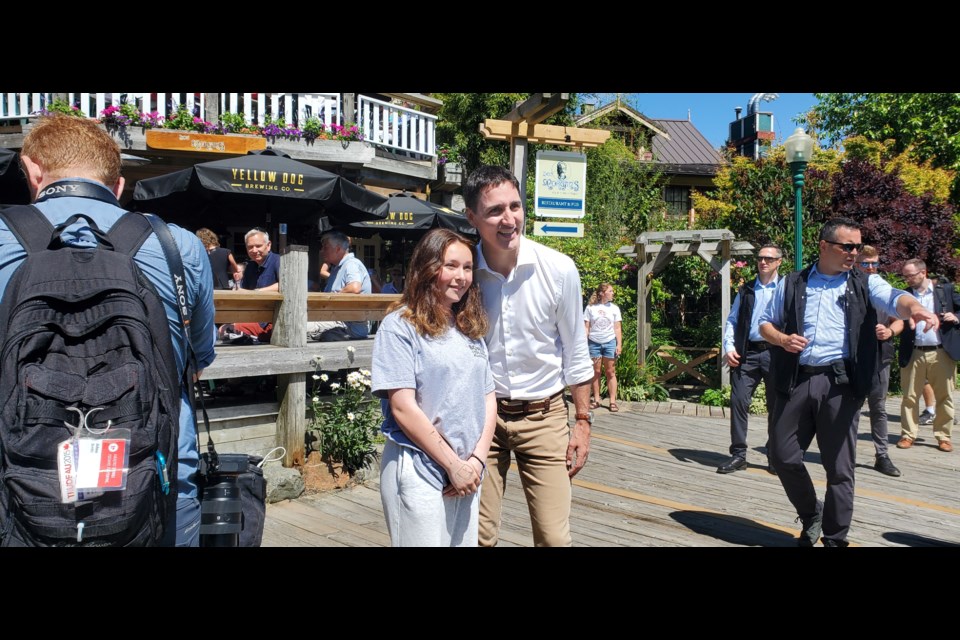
x=13 y=184
x=252 y=189
x=410 y=216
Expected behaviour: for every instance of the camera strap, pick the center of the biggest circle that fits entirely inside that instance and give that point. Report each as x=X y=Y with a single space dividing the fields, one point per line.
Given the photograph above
x=175 y=263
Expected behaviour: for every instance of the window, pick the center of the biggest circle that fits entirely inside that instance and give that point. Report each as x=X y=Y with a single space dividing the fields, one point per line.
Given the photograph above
x=678 y=201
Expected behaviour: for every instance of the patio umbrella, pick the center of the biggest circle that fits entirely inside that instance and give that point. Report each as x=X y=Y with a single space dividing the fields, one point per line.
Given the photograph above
x=410 y=216
x=13 y=184
x=256 y=188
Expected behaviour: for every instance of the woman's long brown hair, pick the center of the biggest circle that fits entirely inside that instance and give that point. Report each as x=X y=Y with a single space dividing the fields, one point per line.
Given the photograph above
x=425 y=307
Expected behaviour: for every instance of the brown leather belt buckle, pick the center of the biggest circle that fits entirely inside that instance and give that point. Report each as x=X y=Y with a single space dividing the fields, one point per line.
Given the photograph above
x=522 y=407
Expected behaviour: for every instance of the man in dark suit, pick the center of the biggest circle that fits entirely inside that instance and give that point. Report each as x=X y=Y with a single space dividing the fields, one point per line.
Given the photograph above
x=822 y=322
x=929 y=356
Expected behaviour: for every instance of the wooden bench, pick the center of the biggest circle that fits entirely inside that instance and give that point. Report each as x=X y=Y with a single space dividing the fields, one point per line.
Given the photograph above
x=289 y=355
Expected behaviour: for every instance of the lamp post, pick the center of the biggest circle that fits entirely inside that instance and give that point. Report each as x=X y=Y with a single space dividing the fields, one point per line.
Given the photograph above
x=799 y=148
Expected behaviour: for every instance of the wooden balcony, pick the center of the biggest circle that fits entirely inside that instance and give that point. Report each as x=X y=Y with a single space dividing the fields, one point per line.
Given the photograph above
x=396 y=139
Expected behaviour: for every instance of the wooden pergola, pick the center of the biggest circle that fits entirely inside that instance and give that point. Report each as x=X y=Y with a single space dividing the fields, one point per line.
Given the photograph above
x=654 y=250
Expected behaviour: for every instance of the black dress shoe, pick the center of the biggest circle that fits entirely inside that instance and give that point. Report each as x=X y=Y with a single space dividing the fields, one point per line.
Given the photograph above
x=770 y=468
x=829 y=542
x=886 y=467
x=733 y=464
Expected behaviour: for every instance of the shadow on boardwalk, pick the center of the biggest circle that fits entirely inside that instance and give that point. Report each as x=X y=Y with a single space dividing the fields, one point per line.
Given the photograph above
x=651 y=482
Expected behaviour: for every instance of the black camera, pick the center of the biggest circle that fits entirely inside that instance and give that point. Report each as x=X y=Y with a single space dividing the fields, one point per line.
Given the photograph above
x=221 y=510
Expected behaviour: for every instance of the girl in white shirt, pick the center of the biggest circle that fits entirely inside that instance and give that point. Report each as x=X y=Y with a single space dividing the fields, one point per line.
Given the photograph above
x=604 y=337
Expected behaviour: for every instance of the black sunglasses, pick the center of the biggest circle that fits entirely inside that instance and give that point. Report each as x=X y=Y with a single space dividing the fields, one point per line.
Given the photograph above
x=847 y=246
x=766 y=258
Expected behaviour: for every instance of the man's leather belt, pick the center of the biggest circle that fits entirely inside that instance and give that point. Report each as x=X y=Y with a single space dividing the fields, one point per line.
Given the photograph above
x=524 y=407
x=821 y=369
x=926 y=347
x=762 y=345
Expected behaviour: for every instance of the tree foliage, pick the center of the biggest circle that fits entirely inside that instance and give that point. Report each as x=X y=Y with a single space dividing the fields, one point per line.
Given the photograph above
x=918 y=178
x=458 y=125
x=755 y=200
x=623 y=194
x=902 y=225
x=926 y=126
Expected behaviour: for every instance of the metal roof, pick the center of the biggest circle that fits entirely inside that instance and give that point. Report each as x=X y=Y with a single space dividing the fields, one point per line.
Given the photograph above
x=686 y=150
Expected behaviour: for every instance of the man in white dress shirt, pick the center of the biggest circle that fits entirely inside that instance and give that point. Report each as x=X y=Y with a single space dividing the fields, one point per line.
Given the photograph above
x=537 y=346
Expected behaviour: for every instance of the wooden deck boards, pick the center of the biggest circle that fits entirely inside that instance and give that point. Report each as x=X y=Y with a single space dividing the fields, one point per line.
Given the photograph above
x=651 y=482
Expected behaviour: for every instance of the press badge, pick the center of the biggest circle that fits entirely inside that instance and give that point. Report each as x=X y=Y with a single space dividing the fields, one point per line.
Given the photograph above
x=91 y=465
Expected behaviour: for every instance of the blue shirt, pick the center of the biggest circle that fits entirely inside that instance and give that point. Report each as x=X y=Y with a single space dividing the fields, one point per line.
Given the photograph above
x=824 y=320
x=763 y=293
x=350 y=269
x=256 y=276
x=153 y=264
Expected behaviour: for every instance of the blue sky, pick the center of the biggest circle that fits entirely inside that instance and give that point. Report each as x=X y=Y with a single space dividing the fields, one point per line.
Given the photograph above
x=712 y=113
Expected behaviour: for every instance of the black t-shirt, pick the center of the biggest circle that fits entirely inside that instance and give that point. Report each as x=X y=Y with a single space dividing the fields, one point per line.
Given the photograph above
x=220 y=263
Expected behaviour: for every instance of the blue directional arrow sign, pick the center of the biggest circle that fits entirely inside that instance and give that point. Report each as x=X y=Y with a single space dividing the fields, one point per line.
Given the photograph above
x=562 y=229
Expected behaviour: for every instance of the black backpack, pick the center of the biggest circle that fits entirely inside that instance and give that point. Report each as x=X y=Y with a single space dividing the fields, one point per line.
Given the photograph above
x=87 y=370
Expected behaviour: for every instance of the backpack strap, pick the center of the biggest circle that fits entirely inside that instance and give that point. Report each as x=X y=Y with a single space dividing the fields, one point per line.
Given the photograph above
x=129 y=233
x=29 y=225
x=168 y=244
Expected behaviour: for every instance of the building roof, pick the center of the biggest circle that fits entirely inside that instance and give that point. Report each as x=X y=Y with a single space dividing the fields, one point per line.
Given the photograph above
x=684 y=149
x=677 y=146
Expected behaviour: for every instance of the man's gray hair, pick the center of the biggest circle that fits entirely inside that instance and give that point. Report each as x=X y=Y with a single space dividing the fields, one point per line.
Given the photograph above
x=246 y=236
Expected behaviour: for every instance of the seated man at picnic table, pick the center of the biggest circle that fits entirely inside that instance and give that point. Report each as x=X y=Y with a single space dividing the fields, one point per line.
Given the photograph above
x=348 y=274
x=262 y=273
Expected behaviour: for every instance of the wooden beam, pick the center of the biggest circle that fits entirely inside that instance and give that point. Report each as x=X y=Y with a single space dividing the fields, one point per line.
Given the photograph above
x=543 y=133
x=538 y=108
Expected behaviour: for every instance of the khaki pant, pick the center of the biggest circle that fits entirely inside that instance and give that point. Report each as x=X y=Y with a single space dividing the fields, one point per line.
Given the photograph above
x=539 y=445
x=939 y=369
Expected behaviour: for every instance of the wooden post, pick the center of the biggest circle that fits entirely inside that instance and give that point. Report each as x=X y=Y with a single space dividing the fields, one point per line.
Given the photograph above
x=349 y=113
x=642 y=335
x=724 y=303
x=211 y=107
x=290 y=330
x=518 y=165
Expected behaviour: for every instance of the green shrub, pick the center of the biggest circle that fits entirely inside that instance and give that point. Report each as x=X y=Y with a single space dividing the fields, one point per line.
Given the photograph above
x=716 y=397
x=347 y=427
x=721 y=398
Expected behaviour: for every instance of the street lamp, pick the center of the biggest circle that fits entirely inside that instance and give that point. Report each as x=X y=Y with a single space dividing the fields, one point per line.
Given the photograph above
x=799 y=148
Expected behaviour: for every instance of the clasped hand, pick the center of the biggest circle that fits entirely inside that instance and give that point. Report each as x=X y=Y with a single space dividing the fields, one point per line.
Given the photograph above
x=464 y=479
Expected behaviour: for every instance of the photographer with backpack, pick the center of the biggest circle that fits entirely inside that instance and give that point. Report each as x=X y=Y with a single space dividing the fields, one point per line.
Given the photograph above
x=97 y=432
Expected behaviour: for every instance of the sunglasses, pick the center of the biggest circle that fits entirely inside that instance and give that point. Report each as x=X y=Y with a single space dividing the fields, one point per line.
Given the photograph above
x=767 y=258
x=848 y=247
x=870 y=265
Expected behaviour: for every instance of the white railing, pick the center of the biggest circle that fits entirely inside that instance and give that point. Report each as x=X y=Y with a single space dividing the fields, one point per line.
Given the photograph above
x=23 y=105
x=394 y=127
x=20 y=105
x=256 y=106
x=397 y=127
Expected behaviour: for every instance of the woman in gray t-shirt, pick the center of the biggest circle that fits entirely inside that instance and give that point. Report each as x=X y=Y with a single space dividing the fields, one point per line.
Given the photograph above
x=430 y=370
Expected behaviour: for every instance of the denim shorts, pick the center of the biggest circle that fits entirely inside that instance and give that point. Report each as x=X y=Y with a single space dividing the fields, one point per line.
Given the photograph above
x=605 y=350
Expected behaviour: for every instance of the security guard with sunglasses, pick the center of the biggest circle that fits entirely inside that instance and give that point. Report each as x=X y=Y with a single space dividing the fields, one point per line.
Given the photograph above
x=822 y=323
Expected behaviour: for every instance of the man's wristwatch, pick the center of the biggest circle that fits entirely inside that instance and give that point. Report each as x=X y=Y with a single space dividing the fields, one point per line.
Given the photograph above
x=588 y=416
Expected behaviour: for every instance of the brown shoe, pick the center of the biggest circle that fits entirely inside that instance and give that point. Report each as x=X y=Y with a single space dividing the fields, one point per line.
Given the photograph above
x=905 y=443
x=945 y=446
